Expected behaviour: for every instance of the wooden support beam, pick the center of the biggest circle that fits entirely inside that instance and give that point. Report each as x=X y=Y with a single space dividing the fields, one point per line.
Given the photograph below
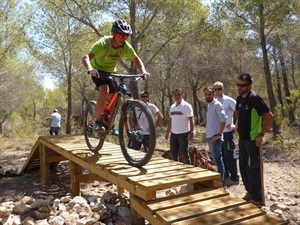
x=45 y=167
x=86 y=177
x=56 y=158
x=75 y=170
x=136 y=218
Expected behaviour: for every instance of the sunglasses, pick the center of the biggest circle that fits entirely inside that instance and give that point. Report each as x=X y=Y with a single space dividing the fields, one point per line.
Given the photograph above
x=124 y=36
x=145 y=96
x=217 y=89
x=242 y=85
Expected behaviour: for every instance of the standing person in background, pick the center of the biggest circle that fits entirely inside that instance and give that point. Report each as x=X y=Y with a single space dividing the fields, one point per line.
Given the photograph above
x=254 y=120
x=181 y=126
x=54 y=122
x=215 y=124
x=135 y=144
x=228 y=146
x=102 y=61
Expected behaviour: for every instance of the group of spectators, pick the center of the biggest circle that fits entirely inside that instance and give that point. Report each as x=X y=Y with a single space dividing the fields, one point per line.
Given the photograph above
x=252 y=120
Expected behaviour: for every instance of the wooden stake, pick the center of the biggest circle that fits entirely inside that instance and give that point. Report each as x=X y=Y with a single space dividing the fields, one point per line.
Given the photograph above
x=263 y=199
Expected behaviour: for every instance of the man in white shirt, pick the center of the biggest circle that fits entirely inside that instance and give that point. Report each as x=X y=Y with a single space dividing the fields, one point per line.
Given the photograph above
x=181 y=126
x=143 y=122
x=54 y=122
x=228 y=146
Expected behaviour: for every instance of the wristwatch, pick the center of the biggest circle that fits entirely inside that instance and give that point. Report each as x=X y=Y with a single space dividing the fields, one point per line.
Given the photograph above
x=191 y=132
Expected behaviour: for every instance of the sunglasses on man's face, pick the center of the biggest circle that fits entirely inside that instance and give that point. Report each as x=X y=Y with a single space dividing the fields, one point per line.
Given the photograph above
x=124 y=36
x=145 y=96
x=242 y=85
x=217 y=89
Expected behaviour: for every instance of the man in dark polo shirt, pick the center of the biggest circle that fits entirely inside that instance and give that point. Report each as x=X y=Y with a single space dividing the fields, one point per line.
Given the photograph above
x=254 y=120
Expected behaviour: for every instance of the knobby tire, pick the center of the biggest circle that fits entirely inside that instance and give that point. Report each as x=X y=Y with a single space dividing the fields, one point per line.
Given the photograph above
x=93 y=140
x=136 y=157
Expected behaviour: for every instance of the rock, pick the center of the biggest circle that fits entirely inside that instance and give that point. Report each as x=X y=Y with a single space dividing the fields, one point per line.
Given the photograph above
x=56 y=220
x=69 y=219
x=28 y=221
x=281 y=207
x=170 y=192
x=86 y=221
x=38 y=203
x=77 y=200
x=41 y=222
x=27 y=200
x=21 y=209
x=6 y=208
x=65 y=199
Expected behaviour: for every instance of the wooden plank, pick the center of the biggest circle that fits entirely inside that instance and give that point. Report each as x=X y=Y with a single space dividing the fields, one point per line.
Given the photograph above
x=165 y=174
x=86 y=177
x=147 y=169
x=178 y=200
x=190 y=210
x=75 y=170
x=180 y=179
x=56 y=158
x=268 y=219
x=136 y=218
x=33 y=155
x=137 y=204
x=45 y=169
x=227 y=216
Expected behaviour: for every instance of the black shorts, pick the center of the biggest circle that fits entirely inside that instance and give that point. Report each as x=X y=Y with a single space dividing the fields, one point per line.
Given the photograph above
x=106 y=79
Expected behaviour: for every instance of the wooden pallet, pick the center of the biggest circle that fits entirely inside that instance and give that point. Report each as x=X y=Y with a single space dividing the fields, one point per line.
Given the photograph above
x=207 y=204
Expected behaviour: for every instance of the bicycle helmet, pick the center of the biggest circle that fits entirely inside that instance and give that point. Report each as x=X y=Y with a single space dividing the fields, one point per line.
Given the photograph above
x=121 y=26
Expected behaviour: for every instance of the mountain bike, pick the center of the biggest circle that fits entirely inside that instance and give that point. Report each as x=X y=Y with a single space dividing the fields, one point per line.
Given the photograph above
x=129 y=126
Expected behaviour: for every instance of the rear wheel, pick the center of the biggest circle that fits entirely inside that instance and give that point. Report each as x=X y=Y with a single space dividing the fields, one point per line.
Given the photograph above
x=94 y=140
x=137 y=133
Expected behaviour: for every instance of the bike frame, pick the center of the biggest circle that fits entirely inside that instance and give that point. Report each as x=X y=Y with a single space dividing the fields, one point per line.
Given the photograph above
x=112 y=107
x=113 y=104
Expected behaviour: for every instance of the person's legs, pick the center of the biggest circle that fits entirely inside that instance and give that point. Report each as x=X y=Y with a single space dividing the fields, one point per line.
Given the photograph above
x=250 y=168
x=56 y=129
x=216 y=151
x=226 y=171
x=243 y=162
x=228 y=148
x=103 y=95
x=51 y=131
x=146 y=140
x=174 y=145
x=183 y=148
x=134 y=144
x=253 y=169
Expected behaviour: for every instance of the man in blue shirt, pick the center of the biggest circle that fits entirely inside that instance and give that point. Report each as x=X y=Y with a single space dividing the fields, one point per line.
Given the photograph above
x=216 y=121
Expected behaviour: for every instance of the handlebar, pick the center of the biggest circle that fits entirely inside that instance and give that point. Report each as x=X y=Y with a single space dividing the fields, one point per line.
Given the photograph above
x=118 y=75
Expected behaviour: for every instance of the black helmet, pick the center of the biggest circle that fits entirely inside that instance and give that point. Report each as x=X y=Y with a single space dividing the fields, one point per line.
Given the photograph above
x=121 y=26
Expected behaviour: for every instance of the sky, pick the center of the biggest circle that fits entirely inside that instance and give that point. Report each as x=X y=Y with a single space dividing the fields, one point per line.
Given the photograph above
x=48 y=83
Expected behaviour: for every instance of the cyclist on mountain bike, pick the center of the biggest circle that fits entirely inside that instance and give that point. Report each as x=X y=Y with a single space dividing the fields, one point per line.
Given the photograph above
x=103 y=57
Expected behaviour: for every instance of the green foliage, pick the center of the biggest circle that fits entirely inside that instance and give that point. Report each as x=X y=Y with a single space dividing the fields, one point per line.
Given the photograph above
x=289 y=141
x=18 y=128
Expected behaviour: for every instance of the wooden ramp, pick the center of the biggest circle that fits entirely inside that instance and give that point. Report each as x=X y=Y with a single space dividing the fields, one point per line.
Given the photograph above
x=208 y=204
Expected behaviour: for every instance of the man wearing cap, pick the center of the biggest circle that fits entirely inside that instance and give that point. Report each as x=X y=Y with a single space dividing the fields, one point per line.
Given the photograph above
x=254 y=120
x=54 y=122
x=136 y=144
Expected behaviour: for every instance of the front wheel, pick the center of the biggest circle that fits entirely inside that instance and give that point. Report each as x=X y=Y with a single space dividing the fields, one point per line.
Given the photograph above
x=137 y=133
x=93 y=139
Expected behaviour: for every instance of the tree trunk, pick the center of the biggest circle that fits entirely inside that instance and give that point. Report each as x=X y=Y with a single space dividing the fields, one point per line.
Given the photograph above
x=69 y=112
x=286 y=86
x=267 y=71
